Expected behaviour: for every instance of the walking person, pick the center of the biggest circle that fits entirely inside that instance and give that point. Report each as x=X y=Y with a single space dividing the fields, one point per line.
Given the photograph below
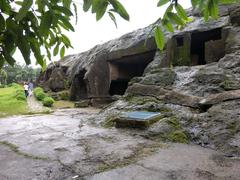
x=30 y=88
x=25 y=89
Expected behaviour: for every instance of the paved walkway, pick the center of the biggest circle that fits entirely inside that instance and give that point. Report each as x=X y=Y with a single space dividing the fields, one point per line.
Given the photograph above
x=35 y=106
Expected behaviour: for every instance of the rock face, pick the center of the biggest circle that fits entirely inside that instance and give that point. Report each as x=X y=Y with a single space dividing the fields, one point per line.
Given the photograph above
x=195 y=80
x=106 y=69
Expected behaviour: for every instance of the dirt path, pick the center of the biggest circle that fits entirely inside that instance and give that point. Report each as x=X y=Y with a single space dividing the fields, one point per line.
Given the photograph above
x=64 y=145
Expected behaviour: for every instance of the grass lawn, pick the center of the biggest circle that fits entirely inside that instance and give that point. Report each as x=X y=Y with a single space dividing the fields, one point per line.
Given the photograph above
x=63 y=104
x=9 y=105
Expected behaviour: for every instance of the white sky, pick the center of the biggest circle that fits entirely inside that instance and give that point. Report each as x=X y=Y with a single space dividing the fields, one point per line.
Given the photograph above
x=89 y=33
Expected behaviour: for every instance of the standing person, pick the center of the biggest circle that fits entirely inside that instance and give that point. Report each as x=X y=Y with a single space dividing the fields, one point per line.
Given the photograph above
x=30 y=87
x=25 y=89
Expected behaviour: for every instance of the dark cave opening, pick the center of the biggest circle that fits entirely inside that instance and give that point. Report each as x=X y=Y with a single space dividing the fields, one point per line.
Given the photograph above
x=124 y=69
x=198 y=40
x=79 y=86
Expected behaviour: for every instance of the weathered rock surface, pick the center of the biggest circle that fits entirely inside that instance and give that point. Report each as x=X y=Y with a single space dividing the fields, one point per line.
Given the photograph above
x=194 y=84
x=69 y=144
x=94 y=72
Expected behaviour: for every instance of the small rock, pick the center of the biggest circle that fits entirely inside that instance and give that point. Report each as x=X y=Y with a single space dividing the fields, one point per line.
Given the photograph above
x=81 y=104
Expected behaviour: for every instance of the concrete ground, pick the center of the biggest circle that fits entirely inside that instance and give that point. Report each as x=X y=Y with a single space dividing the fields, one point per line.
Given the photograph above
x=65 y=145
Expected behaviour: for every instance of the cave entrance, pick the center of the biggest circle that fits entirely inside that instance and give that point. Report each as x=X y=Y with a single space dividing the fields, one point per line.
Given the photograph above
x=206 y=46
x=124 y=69
x=79 y=88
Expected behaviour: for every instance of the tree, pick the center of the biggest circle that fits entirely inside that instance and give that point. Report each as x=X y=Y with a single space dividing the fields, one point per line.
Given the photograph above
x=35 y=26
x=3 y=77
x=19 y=73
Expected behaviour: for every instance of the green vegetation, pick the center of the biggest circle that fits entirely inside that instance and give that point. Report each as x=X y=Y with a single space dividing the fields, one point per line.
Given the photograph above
x=39 y=93
x=3 y=77
x=18 y=73
x=110 y=121
x=46 y=19
x=48 y=101
x=12 y=101
x=176 y=134
x=63 y=104
x=42 y=96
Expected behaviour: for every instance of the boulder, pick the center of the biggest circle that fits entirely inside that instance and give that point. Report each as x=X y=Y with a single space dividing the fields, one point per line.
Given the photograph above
x=219 y=98
x=173 y=97
x=146 y=90
x=82 y=104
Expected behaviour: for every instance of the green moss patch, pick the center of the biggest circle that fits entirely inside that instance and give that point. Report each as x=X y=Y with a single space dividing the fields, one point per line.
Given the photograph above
x=15 y=149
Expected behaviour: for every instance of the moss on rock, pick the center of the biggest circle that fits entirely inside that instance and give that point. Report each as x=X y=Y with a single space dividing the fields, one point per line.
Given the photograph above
x=178 y=136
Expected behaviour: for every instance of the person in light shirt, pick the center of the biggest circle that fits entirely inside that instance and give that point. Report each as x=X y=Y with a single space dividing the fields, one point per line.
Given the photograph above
x=25 y=86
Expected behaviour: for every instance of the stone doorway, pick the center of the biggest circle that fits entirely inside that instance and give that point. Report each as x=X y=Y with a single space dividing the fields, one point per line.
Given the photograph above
x=206 y=46
x=124 y=69
x=196 y=48
x=79 y=88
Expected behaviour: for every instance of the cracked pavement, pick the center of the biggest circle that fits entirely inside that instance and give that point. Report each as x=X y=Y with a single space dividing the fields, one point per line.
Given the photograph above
x=65 y=145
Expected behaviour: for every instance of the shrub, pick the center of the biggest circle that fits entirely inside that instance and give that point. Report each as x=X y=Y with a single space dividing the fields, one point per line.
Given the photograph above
x=19 y=91
x=13 y=85
x=2 y=86
x=40 y=95
x=37 y=90
x=21 y=97
x=20 y=94
x=48 y=101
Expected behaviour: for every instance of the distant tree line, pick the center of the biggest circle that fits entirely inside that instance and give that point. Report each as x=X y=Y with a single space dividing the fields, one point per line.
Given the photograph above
x=18 y=73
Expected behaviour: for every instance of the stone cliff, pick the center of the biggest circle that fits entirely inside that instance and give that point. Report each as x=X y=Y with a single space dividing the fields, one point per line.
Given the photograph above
x=194 y=82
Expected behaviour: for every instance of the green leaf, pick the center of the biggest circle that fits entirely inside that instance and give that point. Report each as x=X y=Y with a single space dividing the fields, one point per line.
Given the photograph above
x=213 y=8
x=24 y=47
x=19 y=3
x=162 y=2
x=86 y=5
x=66 y=41
x=175 y=18
x=67 y=3
x=112 y=18
x=9 y=42
x=76 y=13
x=194 y=3
x=40 y=5
x=159 y=38
x=181 y=12
x=169 y=9
x=229 y=1
x=48 y=53
x=46 y=23
x=167 y=25
x=62 y=52
x=2 y=60
x=56 y=50
x=63 y=10
x=206 y=14
x=11 y=24
x=32 y=18
x=10 y=60
x=101 y=10
x=65 y=21
x=2 y=23
x=5 y=7
x=36 y=51
x=24 y=9
x=119 y=8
